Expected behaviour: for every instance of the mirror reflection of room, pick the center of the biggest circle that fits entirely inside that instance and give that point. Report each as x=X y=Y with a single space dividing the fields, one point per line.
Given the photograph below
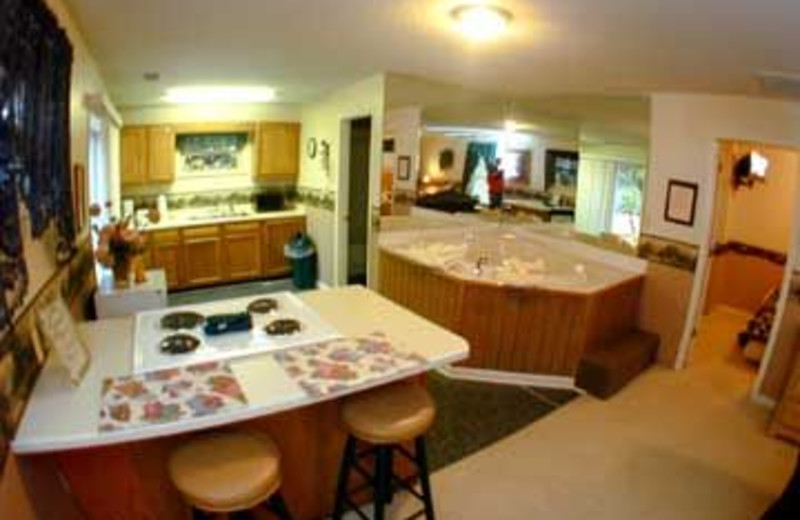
x=577 y=162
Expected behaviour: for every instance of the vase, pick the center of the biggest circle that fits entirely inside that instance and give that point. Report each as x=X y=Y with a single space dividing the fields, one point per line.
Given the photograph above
x=139 y=270
x=122 y=273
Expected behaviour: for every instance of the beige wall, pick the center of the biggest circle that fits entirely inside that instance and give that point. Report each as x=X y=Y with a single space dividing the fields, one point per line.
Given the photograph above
x=404 y=126
x=431 y=146
x=40 y=254
x=684 y=134
x=685 y=130
x=323 y=121
x=761 y=215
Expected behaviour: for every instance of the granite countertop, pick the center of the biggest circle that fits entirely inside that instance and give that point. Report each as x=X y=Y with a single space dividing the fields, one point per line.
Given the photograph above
x=182 y=222
x=60 y=416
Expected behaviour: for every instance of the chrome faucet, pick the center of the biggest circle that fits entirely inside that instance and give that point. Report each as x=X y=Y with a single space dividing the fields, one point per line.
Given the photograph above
x=482 y=260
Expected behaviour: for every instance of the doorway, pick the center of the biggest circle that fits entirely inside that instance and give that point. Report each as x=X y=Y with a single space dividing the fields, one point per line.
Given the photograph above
x=357 y=216
x=749 y=262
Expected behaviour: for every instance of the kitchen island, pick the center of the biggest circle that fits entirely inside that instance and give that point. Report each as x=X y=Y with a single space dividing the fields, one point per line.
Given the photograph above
x=122 y=473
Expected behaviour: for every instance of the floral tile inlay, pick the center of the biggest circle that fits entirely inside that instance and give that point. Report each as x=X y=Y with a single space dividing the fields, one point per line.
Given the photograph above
x=170 y=395
x=334 y=366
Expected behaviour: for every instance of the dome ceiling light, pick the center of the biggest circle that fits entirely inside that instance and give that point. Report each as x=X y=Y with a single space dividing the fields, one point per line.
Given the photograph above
x=481 y=22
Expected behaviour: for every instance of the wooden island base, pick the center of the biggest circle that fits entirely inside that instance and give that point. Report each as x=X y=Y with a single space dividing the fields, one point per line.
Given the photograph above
x=130 y=481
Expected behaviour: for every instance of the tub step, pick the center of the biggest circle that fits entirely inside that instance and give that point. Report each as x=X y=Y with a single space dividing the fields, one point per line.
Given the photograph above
x=604 y=371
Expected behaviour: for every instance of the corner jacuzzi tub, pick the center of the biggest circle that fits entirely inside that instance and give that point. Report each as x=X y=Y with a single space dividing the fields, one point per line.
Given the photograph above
x=526 y=302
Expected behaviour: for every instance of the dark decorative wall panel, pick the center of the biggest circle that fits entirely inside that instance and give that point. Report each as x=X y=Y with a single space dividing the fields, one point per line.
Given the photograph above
x=35 y=69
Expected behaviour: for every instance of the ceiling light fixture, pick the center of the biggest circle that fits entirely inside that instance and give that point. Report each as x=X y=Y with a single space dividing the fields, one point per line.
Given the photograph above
x=195 y=95
x=481 y=22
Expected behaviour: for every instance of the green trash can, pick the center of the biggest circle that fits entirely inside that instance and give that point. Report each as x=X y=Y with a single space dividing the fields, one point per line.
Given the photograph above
x=302 y=255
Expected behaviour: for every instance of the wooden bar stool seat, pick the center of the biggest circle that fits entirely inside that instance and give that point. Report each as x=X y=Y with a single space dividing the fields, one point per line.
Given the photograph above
x=386 y=418
x=390 y=415
x=228 y=472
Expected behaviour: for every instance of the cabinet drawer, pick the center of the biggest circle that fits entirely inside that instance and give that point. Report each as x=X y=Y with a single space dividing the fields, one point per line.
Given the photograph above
x=165 y=237
x=201 y=232
x=242 y=228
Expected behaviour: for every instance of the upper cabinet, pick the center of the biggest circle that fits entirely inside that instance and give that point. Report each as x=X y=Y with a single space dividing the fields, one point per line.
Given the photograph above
x=133 y=155
x=148 y=152
x=161 y=153
x=278 y=154
x=147 y=155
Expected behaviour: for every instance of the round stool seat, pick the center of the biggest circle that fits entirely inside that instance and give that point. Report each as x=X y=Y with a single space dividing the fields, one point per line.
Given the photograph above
x=390 y=414
x=226 y=472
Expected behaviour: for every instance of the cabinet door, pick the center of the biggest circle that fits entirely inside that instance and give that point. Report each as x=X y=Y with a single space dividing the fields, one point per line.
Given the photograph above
x=242 y=251
x=133 y=155
x=161 y=154
x=165 y=253
x=275 y=235
x=202 y=255
x=278 y=150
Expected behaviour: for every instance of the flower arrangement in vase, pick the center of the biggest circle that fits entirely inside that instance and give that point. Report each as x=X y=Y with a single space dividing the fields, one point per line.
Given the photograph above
x=119 y=248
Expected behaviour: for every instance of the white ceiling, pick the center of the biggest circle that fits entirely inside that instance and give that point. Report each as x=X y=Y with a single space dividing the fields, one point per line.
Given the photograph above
x=307 y=47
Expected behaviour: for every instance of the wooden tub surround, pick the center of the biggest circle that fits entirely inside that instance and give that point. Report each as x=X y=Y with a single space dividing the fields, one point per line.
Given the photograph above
x=531 y=329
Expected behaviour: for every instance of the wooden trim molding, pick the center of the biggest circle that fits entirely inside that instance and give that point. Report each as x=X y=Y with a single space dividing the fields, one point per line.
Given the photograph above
x=775 y=257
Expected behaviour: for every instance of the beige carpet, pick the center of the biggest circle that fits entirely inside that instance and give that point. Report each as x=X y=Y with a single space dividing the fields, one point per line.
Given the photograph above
x=672 y=445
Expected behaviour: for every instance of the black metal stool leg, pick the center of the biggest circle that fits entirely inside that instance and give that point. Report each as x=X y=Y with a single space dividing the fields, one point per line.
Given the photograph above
x=348 y=460
x=382 y=481
x=277 y=505
x=390 y=465
x=424 y=476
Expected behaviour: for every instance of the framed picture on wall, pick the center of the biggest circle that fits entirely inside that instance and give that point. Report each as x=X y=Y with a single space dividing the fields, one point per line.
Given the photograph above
x=404 y=168
x=681 y=202
x=561 y=169
x=80 y=196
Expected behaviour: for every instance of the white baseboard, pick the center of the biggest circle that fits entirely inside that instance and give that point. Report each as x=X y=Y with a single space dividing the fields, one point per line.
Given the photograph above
x=763 y=400
x=509 y=378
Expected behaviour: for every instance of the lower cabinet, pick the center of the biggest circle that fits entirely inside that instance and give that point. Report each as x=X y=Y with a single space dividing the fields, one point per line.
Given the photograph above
x=165 y=253
x=275 y=236
x=199 y=256
x=243 y=251
x=202 y=256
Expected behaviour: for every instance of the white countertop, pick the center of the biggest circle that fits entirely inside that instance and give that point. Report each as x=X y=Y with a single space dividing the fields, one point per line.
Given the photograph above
x=61 y=417
x=175 y=223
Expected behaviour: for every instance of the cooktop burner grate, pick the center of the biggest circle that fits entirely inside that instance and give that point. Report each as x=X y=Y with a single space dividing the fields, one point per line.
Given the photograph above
x=263 y=306
x=283 y=327
x=182 y=320
x=178 y=344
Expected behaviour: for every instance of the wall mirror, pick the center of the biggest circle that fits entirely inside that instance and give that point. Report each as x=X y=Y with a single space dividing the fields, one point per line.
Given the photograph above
x=571 y=160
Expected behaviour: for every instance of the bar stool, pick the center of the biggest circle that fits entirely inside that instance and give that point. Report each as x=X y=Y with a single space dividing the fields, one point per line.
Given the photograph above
x=227 y=473
x=385 y=418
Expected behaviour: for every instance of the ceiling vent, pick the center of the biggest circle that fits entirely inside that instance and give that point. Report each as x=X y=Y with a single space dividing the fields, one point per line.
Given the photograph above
x=780 y=84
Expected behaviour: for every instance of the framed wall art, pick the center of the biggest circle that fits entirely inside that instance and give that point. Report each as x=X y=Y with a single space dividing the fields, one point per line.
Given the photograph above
x=404 y=168
x=681 y=202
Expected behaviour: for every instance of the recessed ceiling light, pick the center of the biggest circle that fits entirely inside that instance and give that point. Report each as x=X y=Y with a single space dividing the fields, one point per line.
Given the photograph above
x=151 y=76
x=195 y=95
x=481 y=22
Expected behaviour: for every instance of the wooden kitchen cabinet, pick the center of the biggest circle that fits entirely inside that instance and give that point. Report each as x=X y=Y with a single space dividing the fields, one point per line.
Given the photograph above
x=212 y=254
x=160 y=153
x=278 y=150
x=147 y=155
x=275 y=235
x=242 y=251
x=202 y=256
x=133 y=155
x=165 y=252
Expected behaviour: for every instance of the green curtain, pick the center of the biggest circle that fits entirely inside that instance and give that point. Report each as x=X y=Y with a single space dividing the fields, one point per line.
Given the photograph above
x=475 y=152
